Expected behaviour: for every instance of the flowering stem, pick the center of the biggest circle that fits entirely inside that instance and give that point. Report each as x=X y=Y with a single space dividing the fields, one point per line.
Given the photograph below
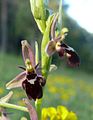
x=36 y=53
x=8 y=105
x=45 y=59
x=38 y=104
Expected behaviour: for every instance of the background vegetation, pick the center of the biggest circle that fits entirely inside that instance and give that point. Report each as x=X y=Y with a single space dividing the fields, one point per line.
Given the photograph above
x=75 y=90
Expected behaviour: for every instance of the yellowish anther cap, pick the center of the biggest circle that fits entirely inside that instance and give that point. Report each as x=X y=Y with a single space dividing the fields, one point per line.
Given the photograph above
x=58 y=46
x=64 y=30
x=29 y=67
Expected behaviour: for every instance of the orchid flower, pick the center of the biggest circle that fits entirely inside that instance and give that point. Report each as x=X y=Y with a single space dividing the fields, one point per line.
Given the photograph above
x=56 y=44
x=30 y=79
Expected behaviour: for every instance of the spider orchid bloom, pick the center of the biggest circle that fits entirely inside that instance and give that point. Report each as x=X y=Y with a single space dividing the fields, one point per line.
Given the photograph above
x=57 y=45
x=30 y=79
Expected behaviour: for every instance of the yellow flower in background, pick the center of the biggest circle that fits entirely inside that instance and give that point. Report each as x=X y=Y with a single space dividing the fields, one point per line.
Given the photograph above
x=62 y=111
x=48 y=113
x=71 y=116
x=59 y=113
x=44 y=114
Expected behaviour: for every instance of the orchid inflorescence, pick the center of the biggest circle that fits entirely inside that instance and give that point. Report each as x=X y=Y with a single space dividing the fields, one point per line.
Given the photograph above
x=34 y=75
x=30 y=79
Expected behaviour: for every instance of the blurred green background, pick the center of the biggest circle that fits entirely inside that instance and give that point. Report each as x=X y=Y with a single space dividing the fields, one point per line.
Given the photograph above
x=75 y=90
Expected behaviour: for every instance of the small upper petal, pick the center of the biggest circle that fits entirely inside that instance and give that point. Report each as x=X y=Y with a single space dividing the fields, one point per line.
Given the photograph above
x=27 y=52
x=17 y=81
x=41 y=80
x=53 y=67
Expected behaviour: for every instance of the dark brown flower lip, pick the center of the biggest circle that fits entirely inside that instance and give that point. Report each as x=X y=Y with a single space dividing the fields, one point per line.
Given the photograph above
x=33 y=91
x=33 y=84
x=73 y=59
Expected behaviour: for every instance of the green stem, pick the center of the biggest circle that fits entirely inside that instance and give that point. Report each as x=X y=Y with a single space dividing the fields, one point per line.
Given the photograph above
x=45 y=59
x=8 y=105
x=36 y=53
x=38 y=104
